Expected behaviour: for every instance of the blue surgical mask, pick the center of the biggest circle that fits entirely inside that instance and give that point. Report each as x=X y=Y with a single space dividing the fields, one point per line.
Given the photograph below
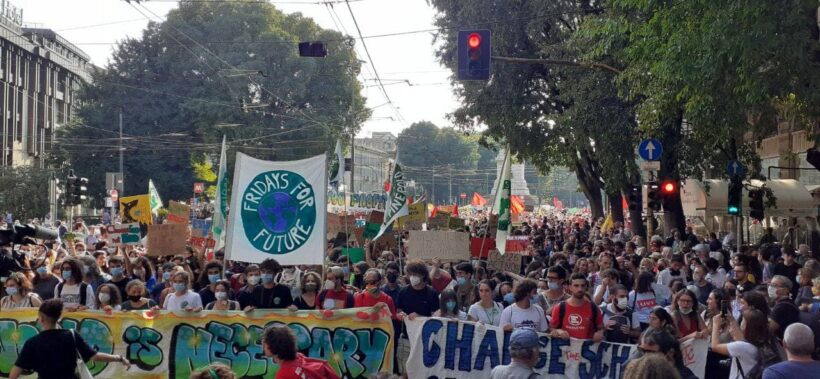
x=86 y=270
x=11 y=291
x=42 y=270
x=213 y=278
x=509 y=298
x=450 y=305
x=180 y=287
x=461 y=281
x=554 y=286
x=66 y=275
x=117 y=271
x=267 y=278
x=166 y=276
x=535 y=299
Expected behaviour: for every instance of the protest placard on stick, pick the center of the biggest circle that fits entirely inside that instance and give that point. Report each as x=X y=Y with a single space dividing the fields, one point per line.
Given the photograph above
x=445 y=245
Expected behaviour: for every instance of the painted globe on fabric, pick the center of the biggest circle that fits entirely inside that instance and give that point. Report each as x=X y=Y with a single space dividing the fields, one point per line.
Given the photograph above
x=278 y=212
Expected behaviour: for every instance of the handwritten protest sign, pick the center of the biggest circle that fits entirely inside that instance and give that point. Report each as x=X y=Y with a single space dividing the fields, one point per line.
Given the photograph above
x=455 y=223
x=167 y=239
x=506 y=262
x=178 y=213
x=173 y=345
x=445 y=245
x=123 y=234
x=444 y=348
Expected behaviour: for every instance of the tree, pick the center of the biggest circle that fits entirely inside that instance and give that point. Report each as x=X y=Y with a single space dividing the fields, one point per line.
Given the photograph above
x=213 y=68
x=24 y=192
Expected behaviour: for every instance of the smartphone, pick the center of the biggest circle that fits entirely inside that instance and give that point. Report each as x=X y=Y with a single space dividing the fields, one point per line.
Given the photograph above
x=724 y=308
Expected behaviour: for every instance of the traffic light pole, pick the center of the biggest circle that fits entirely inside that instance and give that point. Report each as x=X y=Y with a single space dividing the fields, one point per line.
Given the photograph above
x=591 y=65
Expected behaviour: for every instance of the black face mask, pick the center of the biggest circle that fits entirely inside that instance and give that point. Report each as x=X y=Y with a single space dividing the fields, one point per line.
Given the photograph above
x=392 y=277
x=674 y=272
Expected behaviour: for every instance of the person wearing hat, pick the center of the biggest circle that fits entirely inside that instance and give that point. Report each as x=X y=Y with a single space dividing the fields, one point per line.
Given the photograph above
x=524 y=350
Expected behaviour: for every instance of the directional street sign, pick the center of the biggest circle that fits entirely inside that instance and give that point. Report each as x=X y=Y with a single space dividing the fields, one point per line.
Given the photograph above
x=735 y=168
x=650 y=149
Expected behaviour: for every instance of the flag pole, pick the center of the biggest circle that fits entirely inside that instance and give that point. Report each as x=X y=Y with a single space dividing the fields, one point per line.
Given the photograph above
x=490 y=214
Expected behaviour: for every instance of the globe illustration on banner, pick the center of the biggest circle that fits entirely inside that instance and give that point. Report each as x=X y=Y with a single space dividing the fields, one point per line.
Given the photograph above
x=278 y=212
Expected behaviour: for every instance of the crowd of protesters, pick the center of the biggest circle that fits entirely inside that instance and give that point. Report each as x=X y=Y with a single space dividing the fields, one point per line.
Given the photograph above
x=576 y=280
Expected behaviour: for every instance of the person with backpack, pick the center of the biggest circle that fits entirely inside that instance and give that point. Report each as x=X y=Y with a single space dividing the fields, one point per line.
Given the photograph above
x=75 y=294
x=524 y=312
x=752 y=349
x=618 y=326
x=577 y=317
x=279 y=343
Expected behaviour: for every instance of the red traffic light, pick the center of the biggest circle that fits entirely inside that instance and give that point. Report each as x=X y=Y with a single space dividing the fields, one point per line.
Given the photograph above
x=668 y=187
x=474 y=40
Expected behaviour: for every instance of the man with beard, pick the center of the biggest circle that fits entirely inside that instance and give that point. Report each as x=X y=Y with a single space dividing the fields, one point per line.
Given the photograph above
x=577 y=317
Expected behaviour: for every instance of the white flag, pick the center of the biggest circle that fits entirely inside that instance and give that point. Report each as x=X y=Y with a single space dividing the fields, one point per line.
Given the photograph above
x=278 y=210
x=221 y=204
x=501 y=205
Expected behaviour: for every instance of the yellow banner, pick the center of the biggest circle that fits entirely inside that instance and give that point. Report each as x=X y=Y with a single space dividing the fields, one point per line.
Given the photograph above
x=355 y=342
x=136 y=209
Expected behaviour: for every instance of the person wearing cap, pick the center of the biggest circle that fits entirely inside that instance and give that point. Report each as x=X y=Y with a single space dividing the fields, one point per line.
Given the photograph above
x=524 y=351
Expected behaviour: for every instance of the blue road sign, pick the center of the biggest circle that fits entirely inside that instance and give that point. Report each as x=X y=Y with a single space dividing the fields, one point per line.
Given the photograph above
x=735 y=168
x=650 y=149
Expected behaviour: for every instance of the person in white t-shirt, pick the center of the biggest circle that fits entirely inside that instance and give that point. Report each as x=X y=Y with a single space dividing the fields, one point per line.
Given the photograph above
x=70 y=291
x=182 y=299
x=524 y=313
x=486 y=310
x=752 y=333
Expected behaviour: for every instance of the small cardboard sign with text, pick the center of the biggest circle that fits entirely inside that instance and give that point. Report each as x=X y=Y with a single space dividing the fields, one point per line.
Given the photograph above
x=440 y=222
x=178 y=213
x=167 y=239
x=506 y=262
x=445 y=245
x=517 y=244
x=123 y=234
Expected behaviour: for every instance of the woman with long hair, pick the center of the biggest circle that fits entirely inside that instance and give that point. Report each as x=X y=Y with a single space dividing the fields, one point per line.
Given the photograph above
x=19 y=293
x=108 y=298
x=751 y=334
x=75 y=294
x=143 y=269
x=448 y=307
x=207 y=281
x=135 y=295
x=642 y=299
x=685 y=316
x=310 y=287
x=485 y=310
x=659 y=318
x=223 y=294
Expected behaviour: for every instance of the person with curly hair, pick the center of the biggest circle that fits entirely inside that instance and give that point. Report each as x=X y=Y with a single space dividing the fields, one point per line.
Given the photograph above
x=19 y=293
x=279 y=343
x=213 y=371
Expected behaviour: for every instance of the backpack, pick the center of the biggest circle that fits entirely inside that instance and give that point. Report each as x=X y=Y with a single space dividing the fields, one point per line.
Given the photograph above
x=83 y=289
x=769 y=354
x=562 y=310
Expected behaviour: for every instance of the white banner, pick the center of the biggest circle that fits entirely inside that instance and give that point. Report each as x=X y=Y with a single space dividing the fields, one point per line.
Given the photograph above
x=278 y=211
x=442 y=348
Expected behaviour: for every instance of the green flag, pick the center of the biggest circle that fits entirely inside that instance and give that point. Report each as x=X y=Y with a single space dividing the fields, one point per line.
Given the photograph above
x=501 y=205
x=156 y=202
x=396 y=205
x=221 y=204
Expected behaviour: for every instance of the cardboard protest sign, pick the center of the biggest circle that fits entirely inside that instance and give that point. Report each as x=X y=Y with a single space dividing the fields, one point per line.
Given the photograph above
x=123 y=234
x=446 y=348
x=481 y=247
x=440 y=222
x=506 y=262
x=136 y=209
x=445 y=245
x=417 y=212
x=172 y=345
x=517 y=244
x=203 y=243
x=167 y=239
x=178 y=213
x=200 y=228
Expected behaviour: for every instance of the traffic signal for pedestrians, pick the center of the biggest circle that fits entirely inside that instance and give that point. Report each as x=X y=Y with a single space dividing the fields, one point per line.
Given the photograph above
x=474 y=55
x=733 y=205
x=312 y=49
x=633 y=199
x=653 y=196
x=756 y=206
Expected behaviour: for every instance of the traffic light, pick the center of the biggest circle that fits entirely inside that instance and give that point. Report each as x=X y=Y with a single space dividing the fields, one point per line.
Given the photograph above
x=633 y=199
x=653 y=196
x=756 y=206
x=312 y=49
x=669 y=188
x=75 y=189
x=474 y=54
x=733 y=205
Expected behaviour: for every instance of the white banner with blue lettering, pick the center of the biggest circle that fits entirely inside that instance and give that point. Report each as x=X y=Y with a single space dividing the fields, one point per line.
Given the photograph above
x=443 y=348
x=278 y=211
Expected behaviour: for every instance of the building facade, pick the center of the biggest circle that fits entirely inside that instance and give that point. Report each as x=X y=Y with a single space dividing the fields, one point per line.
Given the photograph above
x=371 y=161
x=40 y=73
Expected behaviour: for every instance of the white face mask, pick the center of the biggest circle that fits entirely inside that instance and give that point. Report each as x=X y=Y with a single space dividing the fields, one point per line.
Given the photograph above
x=415 y=280
x=104 y=297
x=772 y=292
x=622 y=302
x=221 y=295
x=253 y=280
x=329 y=284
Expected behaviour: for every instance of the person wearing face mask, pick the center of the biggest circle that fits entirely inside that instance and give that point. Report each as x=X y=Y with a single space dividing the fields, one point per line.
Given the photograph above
x=685 y=315
x=253 y=276
x=704 y=287
x=555 y=294
x=223 y=302
x=448 y=307
x=143 y=269
x=165 y=282
x=524 y=313
x=417 y=299
x=784 y=311
x=466 y=291
x=673 y=272
x=372 y=295
x=116 y=265
x=618 y=326
x=108 y=298
x=392 y=286
x=135 y=300
x=207 y=281
x=270 y=295
x=18 y=293
x=308 y=293
x=182 y=299
x=45 y=282
x=75 y=294
x=335 y=294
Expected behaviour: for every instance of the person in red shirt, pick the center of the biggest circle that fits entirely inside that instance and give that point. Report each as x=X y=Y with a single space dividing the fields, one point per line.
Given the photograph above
x=335 y=295
x=371 y=295
x=577 y=317
x=280 y=345
x=439 y=279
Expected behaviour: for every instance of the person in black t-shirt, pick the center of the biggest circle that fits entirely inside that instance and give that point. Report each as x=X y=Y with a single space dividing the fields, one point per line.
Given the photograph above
x=270 y=295
x=60 y=346
x=417 y=299
x=788 y=267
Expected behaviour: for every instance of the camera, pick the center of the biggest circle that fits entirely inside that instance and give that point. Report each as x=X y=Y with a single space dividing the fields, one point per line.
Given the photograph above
x=24 y=234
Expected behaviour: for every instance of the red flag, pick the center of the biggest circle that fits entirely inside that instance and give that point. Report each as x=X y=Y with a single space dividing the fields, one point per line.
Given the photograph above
x=478 y=200
x=433 y=213
x=516 y=205
x=624 y=203
x=455 y=211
